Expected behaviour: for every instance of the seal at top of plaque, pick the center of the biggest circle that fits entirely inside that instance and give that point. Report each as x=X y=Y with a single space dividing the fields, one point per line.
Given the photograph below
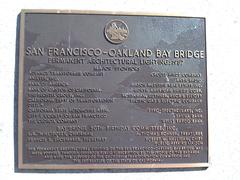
x=116 y=31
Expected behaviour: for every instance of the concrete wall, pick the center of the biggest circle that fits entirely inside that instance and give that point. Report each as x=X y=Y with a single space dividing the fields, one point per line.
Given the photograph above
x=223 y=47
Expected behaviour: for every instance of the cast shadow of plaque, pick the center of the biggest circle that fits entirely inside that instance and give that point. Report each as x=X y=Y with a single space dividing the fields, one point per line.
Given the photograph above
x=15 y=130
x=16 y=83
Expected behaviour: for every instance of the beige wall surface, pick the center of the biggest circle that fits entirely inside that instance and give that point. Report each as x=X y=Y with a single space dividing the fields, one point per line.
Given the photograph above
x=223 y=47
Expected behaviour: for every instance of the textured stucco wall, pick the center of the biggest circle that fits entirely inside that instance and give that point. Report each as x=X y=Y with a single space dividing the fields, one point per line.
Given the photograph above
x=223 y=43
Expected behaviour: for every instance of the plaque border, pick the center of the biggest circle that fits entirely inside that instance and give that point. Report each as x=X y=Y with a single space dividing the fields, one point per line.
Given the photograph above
x=30 y=166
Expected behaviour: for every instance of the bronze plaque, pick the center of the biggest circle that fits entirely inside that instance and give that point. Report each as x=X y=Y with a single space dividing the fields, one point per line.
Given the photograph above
x=102 y=90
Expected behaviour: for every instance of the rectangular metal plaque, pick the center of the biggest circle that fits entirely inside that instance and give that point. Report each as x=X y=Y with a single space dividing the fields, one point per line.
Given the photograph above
x=102 y=90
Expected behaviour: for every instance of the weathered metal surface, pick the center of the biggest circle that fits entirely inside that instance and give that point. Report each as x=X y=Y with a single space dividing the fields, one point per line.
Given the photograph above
x=106 y=91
